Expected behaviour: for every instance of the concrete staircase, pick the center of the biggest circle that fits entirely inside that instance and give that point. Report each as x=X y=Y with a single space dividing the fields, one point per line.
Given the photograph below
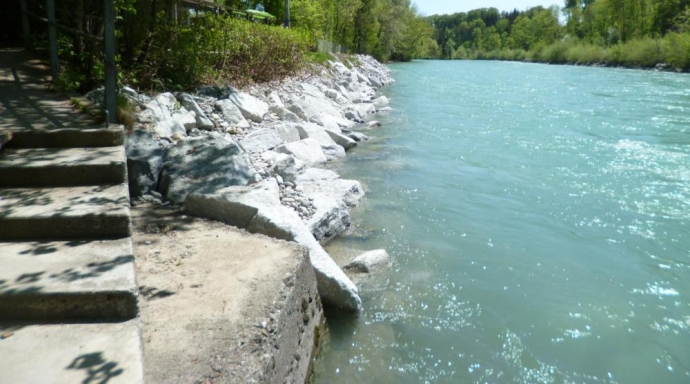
x=68 y=294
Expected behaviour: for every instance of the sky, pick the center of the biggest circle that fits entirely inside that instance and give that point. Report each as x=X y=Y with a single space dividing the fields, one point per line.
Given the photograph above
x=436 y=7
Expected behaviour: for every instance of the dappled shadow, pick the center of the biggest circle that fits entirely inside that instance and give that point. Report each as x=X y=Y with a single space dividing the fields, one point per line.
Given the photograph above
x=25 y=102
x=97 y=369
x=152 y=293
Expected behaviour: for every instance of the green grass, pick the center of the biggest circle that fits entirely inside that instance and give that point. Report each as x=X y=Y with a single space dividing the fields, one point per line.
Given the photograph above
x=320 y=58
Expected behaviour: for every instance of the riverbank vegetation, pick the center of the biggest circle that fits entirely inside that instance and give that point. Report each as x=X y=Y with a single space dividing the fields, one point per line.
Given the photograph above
x=631 y=33
x=178 y=44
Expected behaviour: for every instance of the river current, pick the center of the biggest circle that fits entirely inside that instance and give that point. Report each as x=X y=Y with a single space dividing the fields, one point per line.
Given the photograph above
x=538 y=221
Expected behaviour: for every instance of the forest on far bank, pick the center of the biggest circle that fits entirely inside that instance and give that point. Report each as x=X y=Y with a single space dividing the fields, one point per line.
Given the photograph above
x=633 y=33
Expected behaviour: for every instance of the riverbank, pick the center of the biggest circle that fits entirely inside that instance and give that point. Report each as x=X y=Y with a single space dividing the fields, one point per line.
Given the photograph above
x=252 y=159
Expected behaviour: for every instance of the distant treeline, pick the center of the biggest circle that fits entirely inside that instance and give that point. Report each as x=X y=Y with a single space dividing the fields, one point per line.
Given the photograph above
x=635 y=33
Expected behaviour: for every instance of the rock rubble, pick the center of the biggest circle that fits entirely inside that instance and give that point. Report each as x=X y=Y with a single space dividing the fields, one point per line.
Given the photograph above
x=211 y=151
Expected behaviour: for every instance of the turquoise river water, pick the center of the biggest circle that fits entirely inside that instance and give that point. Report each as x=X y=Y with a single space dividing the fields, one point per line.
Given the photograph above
x=538 y=220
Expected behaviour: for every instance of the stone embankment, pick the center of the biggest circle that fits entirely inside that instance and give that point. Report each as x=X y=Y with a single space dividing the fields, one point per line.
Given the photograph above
x=251 y=158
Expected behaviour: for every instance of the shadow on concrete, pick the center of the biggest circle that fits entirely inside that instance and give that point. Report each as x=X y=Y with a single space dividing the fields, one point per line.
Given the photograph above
x=26 y=102
x=152 y=293
x=97 y=369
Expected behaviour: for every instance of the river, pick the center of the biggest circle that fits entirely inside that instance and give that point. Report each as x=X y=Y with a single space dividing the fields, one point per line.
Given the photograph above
x=537 y=218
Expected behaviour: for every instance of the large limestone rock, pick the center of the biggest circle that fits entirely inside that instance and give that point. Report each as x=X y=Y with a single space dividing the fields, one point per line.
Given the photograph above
x=257 y=208
x=202 y=121
x=369 y=261
x=331 y=197
x=261 y=140
x=251 y=107
x=341 y=139
x=231 y=114
x=287 y=167
x=203 y=164
x=288 y=132
x=330 y=148
x=144 y=162
x=167 y=116
x=307 y=150
x=168 y=128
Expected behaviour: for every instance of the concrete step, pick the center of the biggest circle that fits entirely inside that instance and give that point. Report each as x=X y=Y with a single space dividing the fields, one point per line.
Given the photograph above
x=68 y=281
x=46 y=167
x=93 y=212
x=71 y=353
x=67 y=137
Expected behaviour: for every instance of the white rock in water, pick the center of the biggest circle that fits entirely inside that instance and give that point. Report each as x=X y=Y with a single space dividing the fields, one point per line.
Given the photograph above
x=369 y=261
x=380 y=101
x=374 y=124
x=279 y=179
x=251 y=107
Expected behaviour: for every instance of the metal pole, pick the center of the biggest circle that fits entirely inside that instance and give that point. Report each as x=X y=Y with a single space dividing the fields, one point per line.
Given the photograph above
x=110 y=67
x=25 y=25
x=286 y=24
x=52 y=39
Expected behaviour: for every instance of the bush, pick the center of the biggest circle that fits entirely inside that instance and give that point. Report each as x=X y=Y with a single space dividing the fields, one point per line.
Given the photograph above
x=676 y=51
x=644 y=53
x=216 y=50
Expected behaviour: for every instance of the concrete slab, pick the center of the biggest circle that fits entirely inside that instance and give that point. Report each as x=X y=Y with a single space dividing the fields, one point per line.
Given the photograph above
x=64 y=213
x=71 y=353
x=220 y=305
x=67 y=280
x=41 y=167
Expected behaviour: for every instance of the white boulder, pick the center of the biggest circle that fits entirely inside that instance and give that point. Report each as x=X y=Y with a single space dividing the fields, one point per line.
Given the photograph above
x=369 y=261
x=251 y=107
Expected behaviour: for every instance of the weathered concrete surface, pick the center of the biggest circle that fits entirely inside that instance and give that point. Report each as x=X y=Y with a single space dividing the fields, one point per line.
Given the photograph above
x=39 y=167
x=77 y=280
x=71 y=353
x=220 y=305
x=66 y=212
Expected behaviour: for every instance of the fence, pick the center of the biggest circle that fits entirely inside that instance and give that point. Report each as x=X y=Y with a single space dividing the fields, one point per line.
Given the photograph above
x=329 y=46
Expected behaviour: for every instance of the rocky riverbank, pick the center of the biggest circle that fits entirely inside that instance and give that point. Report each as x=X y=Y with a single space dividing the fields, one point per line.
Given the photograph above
x=250 y=158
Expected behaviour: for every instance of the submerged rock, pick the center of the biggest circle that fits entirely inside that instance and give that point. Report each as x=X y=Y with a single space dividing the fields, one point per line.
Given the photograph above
x=368 y=262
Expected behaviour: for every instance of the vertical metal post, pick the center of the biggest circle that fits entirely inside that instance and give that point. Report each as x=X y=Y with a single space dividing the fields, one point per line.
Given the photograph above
x=286 y=24
x=110 y=68
x=52 y=39
x=25 y=24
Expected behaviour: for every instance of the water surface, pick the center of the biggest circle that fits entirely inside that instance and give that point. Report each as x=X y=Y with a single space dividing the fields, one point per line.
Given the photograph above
x=538 y=221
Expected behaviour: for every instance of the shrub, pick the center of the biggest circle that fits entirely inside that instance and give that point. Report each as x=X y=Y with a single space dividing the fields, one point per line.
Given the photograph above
x=645 y=53
x=216 y=49
x=676 y=51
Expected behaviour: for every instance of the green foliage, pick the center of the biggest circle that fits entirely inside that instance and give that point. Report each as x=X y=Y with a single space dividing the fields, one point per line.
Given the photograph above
x=633 y=33
x=676 y=51
x=320 y=58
